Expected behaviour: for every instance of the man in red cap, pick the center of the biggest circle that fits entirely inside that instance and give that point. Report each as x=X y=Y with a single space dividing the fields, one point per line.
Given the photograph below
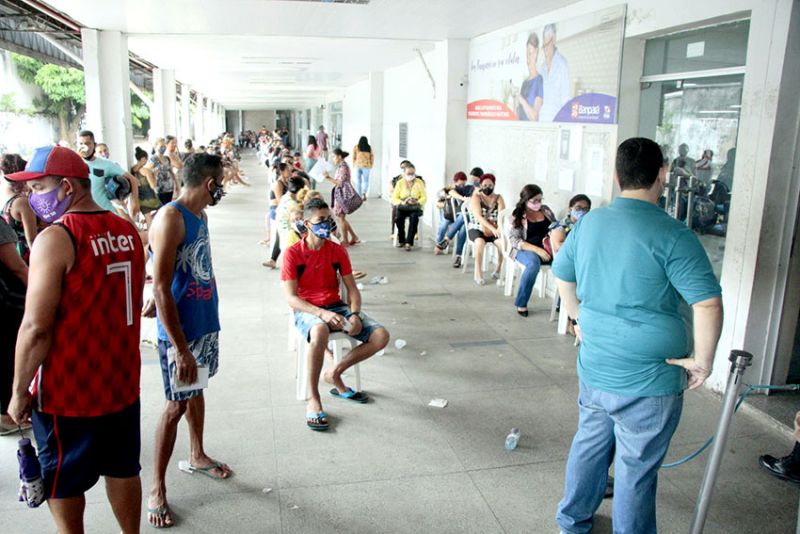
x=79 y=344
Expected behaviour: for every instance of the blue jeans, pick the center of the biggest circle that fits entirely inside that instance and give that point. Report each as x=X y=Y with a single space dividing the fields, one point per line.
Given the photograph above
x=633 y=431
x=532 y=263
x=450 y=229
x=362 y=178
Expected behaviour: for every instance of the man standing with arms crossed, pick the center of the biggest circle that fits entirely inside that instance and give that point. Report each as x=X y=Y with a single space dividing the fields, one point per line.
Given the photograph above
x=80 y=337
x=628 y=273
x=185 y=294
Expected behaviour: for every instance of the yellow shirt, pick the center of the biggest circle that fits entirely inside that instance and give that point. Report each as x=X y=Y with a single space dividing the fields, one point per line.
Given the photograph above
x=362 y=159
x=402 y=191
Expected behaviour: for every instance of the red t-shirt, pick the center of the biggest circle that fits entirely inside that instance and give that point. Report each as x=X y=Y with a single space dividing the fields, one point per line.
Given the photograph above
x=93 y=365
x=315 y=271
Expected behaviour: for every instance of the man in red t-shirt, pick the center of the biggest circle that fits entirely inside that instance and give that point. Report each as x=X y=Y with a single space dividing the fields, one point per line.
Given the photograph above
x=311 y=270
x=80 y=339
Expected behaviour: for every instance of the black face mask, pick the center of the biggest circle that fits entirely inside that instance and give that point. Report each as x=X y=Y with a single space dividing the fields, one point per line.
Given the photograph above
x=487 y=191
x=216 y=194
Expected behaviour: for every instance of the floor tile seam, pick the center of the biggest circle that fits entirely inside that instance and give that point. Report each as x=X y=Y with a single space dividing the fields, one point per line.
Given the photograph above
x=396 y=478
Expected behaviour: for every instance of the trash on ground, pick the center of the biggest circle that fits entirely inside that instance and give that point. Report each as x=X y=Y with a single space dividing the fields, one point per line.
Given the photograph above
x=438 y=403
x=375 y=280
x=423 y=353
x=512 y=440
x=360 y=286
x=384 y=281
x=294 y=507
x=399 y=344
x=266 y=490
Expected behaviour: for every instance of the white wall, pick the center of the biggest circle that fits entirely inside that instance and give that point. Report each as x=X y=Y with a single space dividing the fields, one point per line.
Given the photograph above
x=356 y=114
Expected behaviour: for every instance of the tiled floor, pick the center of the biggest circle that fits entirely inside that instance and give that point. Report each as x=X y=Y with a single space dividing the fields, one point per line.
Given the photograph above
x=395 y=464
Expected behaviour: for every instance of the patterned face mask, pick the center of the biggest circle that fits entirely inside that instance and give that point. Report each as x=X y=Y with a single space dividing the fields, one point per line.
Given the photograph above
x=322 y=229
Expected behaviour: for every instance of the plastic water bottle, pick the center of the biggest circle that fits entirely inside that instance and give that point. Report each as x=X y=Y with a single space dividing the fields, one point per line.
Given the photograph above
x=512 y=440
x=31 y=486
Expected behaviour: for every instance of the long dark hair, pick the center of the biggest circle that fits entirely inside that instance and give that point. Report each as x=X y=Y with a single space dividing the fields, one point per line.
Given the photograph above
x=312 y=141
x=363 y=145
x=527 y=193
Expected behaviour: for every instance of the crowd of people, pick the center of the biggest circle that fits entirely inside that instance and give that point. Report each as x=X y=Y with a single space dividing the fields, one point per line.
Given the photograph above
x=78 y=230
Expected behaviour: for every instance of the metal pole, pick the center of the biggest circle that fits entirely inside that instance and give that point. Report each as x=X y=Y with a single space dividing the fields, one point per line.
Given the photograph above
x=740 y=360
x=690 y=201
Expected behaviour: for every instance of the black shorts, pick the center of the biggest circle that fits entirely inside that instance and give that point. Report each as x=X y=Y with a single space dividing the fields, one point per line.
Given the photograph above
x=475 y=234
x=76 y=451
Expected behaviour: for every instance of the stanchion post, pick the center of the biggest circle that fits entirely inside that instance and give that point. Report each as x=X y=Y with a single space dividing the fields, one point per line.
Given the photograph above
x=740 y=360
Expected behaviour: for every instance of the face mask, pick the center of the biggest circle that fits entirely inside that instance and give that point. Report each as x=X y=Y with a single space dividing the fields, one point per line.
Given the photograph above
x=577 y=214
x=216 y=194
x=162 y=150
x=300 y=227
x=47 y=206
x=410 y=178
x=533 y=205
x=322 y=229
x=488 y=190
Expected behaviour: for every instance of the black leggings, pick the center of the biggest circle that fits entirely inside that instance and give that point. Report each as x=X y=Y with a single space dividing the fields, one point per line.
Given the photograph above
x=9 y=327
x=276 y=247
x=413 y=224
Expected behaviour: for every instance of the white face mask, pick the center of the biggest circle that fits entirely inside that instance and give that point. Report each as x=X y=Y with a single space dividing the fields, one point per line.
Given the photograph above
x=410 y=177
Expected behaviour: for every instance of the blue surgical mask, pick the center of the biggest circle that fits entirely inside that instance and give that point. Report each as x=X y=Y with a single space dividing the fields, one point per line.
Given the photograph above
x=577 y=214
x=162 y=150
x=322 y=229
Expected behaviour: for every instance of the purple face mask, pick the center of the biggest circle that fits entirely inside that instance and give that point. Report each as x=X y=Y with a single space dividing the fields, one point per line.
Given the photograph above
x=47 y=206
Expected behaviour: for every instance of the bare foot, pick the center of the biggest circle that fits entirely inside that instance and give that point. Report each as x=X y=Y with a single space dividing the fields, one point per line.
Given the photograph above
x=313 y=406
x=336 y=380
x=158 y=513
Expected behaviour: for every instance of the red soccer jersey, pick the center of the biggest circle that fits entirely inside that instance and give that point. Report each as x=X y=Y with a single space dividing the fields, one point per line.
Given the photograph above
x=315 y=271
x=94 y=363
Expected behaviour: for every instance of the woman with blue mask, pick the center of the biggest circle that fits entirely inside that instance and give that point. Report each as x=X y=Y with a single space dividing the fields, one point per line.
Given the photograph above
x=579 y=205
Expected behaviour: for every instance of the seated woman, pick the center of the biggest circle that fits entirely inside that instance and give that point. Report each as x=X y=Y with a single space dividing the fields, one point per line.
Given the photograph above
x=485 y=204
x=579 y=205
x=409 y=197
x=526 y=229
x=450 y=222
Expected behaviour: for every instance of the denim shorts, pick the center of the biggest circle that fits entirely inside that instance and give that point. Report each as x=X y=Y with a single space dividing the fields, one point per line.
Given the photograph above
x=306 y=321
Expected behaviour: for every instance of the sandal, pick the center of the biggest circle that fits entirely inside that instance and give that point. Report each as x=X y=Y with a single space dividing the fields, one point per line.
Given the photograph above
x=187 y=467
x=355 y=396
x=317 y=421
x=161 y=512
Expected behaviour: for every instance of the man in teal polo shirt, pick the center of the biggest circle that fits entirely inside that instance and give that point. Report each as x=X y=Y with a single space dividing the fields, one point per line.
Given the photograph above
x=648 y=316
x=100 y=170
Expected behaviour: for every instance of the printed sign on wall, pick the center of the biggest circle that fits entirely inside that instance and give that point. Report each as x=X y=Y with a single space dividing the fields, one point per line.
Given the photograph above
x=543 y=70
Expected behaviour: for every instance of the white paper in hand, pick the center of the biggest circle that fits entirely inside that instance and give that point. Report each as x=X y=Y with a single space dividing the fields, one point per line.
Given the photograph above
x=319 y=169
x=179 y=387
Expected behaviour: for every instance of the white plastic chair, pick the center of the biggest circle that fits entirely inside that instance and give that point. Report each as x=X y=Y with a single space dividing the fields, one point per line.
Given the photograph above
x=336 y=341
x=469 y=246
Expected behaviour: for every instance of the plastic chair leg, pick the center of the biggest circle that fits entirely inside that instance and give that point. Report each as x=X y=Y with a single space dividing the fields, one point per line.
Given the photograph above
x=301 y=376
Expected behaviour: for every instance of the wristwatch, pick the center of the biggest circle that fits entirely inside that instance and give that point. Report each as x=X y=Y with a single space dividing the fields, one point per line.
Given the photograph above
x=573 y=321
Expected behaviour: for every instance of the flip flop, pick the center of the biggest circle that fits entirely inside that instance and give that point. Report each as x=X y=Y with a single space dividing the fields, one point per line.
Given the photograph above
x=7 y=430
x=355 y=396
x=160 y=512
x=319 y=416
x=187 y=467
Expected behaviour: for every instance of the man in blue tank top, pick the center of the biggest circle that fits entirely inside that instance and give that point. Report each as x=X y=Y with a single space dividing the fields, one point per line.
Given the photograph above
x=185 y=294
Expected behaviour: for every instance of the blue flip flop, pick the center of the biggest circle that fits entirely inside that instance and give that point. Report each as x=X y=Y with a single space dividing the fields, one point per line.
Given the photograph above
x=319 y=416
x=355 y=396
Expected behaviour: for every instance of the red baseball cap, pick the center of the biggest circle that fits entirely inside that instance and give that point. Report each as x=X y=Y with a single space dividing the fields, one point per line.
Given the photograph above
x=52 y=161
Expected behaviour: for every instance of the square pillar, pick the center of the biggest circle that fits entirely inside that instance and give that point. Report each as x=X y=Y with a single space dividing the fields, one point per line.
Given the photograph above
x=186 y=119
x=375 y=131
x=164 y=117
x=107 y=77
x=200 y=123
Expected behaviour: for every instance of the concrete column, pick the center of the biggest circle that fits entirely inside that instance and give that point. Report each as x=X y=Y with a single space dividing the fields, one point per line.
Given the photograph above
x=186 y=116
x=164 y=116
x=200 y=120
x=105 y=58
x=241 y=122
x=375 y=132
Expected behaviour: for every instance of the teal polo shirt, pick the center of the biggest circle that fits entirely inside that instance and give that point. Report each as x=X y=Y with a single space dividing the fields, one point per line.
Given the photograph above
x=101 y=169
x=637 y=272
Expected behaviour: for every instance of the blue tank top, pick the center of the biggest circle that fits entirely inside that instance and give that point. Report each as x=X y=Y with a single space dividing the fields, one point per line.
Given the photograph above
x=193 y=285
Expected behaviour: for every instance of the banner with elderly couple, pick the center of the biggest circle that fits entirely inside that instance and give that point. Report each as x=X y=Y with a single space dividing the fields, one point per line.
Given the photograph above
x=545 y=70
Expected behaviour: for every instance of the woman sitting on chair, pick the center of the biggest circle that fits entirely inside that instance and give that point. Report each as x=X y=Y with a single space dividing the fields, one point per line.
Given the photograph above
x=527 y=229
x=485 y=206
x=409 y=197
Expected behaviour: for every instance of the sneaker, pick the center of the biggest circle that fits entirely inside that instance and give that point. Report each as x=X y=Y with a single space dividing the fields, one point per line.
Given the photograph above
x=457 y=263
x=408 y=247
x=400 y=245
x=480 y=281
x=786 y=468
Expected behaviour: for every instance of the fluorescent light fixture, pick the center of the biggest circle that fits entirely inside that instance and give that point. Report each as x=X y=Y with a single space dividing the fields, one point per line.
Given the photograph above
x=714 y=111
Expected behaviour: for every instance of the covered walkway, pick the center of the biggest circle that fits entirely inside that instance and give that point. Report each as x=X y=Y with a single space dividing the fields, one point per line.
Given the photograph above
x=395 y=464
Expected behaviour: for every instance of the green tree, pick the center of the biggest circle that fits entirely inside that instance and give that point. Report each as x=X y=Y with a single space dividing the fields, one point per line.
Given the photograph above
x=63 y=90
x=64 y=95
